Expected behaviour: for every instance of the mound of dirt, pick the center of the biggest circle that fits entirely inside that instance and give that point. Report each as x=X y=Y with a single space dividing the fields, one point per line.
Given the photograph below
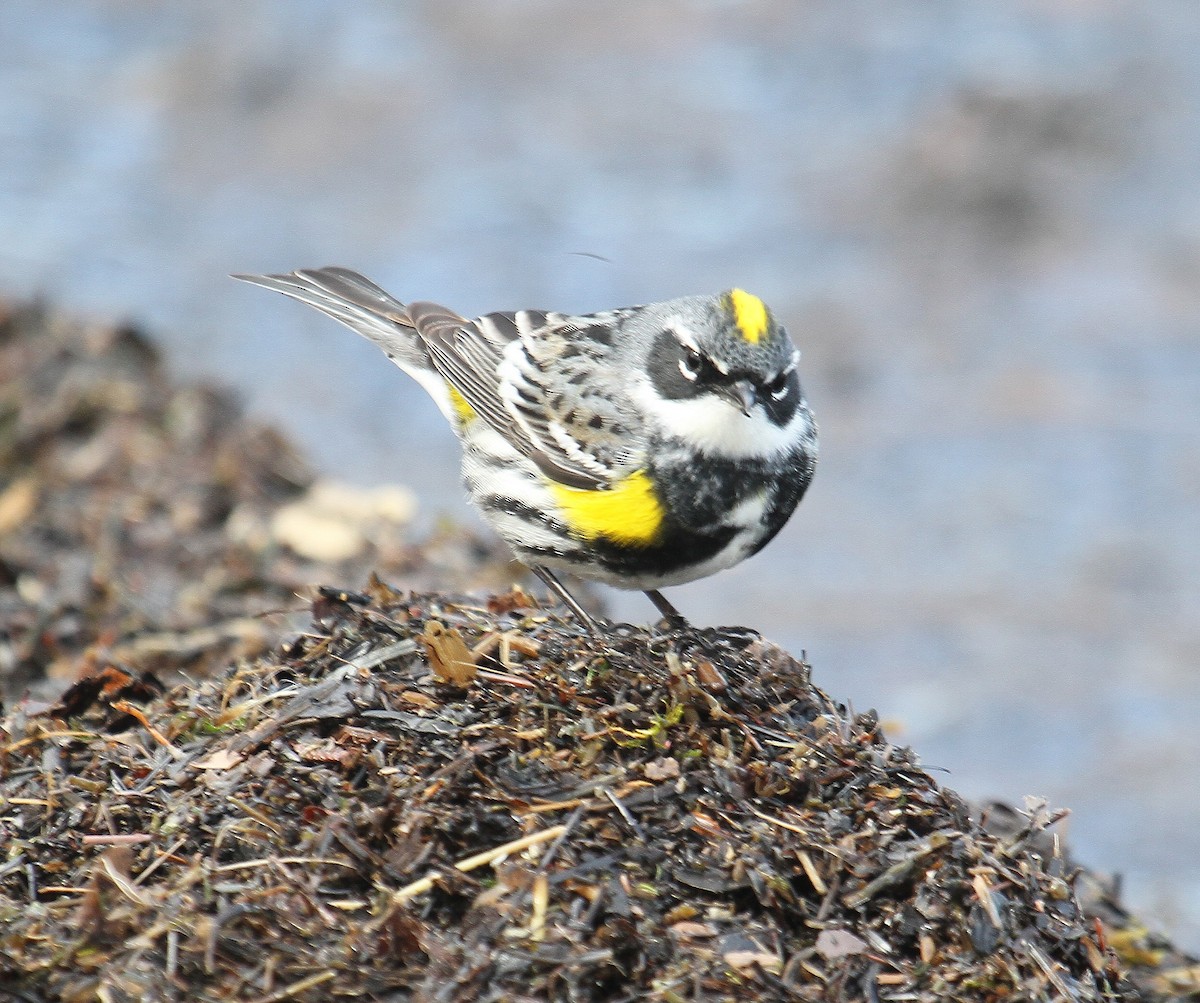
x=226 y=793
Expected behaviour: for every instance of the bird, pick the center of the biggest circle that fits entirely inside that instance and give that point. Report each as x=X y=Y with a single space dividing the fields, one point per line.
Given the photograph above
x=643 y=447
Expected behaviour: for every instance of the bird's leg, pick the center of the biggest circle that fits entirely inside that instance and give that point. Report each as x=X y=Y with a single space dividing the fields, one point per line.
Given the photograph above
x=673 y=617
x=560 y=590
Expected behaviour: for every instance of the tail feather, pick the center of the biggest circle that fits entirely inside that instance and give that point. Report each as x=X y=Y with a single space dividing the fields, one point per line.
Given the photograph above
x=357 y=302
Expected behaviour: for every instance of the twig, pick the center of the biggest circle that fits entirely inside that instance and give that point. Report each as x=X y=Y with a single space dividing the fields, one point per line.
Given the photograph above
x=422 y=885
x=629 y=819
x=116 y=839
x=125 y=707
x=270 y=861
x=165 y=855
x=567 y=827
x=296 y=988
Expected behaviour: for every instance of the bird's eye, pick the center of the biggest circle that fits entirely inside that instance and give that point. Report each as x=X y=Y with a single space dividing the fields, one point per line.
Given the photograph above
x=778 y=387
x=691 y=364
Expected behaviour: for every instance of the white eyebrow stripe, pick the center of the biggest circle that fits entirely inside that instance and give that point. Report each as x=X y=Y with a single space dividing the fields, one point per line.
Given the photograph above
x=789 y=368
x=686 y=338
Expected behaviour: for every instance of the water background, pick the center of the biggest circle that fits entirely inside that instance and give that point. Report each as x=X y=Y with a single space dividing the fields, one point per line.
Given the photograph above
x=981 y=223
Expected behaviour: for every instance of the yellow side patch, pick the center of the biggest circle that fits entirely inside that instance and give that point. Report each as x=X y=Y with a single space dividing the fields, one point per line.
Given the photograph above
x=750 y=314
x=462 y=409
x=628 y=513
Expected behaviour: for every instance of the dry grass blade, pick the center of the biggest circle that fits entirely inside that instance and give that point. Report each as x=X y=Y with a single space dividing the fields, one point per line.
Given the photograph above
x=426 y=883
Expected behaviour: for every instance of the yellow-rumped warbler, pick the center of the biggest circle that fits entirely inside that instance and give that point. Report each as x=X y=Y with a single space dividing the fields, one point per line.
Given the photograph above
x=643 y=447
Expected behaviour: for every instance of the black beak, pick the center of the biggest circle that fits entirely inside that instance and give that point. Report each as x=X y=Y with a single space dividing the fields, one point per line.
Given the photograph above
x=741 y=394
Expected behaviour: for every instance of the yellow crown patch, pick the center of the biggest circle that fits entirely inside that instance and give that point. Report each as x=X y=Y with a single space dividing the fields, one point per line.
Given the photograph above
x=627 y=513
x=749 y=314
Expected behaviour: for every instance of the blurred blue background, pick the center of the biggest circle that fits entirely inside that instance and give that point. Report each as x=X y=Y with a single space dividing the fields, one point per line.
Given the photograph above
x=980 y=222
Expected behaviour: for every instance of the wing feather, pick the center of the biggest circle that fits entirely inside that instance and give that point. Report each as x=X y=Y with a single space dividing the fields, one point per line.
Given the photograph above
x=523 y=373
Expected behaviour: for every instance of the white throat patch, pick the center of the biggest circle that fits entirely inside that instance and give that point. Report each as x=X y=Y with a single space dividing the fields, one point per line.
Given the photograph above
x=718 y=428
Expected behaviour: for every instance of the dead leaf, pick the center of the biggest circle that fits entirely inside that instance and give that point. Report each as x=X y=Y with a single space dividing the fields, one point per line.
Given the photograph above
x=691 y=930
x=105 y=684
x=449 y=656
x=327 y=750
x=742 y=960
x=833 y=944
x=514 y=599
x=663 y=768
x=415 y=698
x=710 y=677
x=114 y=864
x=222 y=759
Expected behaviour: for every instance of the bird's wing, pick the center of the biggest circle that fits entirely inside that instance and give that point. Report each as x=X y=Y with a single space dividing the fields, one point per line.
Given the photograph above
x=544 y=381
